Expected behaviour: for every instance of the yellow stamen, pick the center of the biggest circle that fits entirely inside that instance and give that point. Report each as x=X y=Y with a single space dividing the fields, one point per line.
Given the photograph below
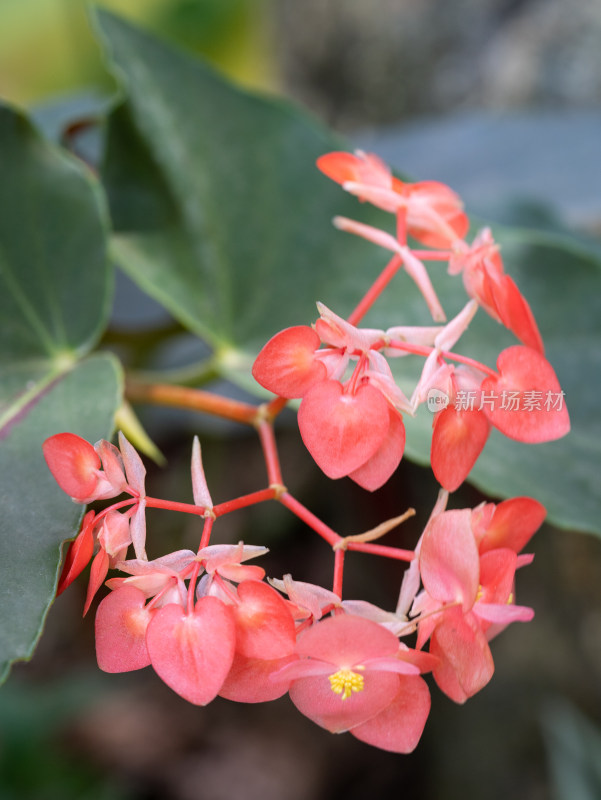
x=345 y=682
x=510 y=599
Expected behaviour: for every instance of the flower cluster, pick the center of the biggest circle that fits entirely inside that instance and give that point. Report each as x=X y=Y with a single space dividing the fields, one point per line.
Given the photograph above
x=210 y=624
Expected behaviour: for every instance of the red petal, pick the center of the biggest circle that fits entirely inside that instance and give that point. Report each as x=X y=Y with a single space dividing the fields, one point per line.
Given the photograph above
x=466 y=664
x=398 y=728
x=449 y=563
x=100 y=566
x=286 y=365
x=497 y=573
x=525 y=371
x=513 y=524
x=78 y=555
x=444 y=202
x=458 y=438
x=342 y=431
x=73 y=463
x=376 y=471
x=121 y=622
x=516 y=314
x=264 y=625
x=192 y=653
x=253 y=680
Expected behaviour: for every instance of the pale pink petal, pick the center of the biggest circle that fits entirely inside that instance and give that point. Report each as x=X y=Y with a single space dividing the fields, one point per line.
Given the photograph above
x=112 y=465
x=138 y=529
x=200 y=490
x=306 y=595
x=134 y=468
x=503 y=613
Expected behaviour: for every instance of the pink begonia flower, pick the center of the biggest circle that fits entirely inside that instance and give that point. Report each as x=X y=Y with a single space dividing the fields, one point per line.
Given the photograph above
x=465 y=592
x=434 y=212
x=352 y=675
x=485 y=280
x=349 y=428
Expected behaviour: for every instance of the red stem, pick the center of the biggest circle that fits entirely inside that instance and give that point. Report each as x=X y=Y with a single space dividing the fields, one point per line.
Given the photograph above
x=206 y=532
x=270 y=452
x=375 y=290
x=432 y=255
x=244 y=501
x=338 y=572
x=424 y=350
x=309 y=518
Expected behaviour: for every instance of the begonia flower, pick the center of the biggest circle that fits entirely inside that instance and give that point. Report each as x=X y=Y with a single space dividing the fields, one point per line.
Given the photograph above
x=351 y=673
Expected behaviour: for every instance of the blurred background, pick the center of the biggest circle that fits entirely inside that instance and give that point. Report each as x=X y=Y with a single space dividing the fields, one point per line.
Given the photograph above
x=499 y=98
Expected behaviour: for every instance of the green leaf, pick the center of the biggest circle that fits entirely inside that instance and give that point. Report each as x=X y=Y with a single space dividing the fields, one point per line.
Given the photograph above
x=222 y=216
x=55 y=288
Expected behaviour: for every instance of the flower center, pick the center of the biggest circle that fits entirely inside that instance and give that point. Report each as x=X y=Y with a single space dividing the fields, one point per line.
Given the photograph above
x=345 y=682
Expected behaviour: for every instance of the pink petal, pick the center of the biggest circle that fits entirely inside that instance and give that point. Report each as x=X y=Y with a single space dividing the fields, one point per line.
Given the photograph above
x=525 y=371
x=200 y=490
x=344 y=640
x=458 y=438
x=466 y=664
x=112 y=465
x=341 y=430
x=435 y=214
x=503 y=613
x=398 y=728
x=378 y=469
x=264 y=625
x=315 y=698
x=138 y=529
x=121 y=622
x=114 y=534
x=287 y=365
x=73 y=463
x=192 y=653
x=513 y=524
x=449 y=562
x=254 y=680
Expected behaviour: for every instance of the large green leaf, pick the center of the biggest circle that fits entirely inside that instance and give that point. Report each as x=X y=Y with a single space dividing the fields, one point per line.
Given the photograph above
x=55 y=287
x=221 y=215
